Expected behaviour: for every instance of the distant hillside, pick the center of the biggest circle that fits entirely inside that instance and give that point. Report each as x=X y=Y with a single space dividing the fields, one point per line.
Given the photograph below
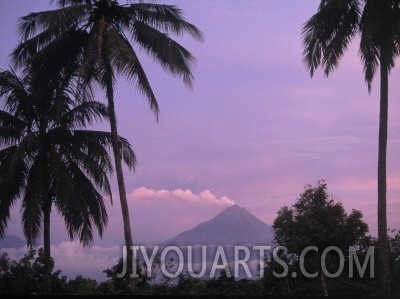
x=220 y=237
x=233 y=226
x=11 y=241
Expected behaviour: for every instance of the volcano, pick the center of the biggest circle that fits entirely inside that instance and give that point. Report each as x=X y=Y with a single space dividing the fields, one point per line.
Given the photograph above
x=233 y=226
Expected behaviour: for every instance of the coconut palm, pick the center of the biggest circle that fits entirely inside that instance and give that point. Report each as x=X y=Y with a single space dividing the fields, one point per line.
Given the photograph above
x=326 y=36
x=107 y=36
x=48 y=158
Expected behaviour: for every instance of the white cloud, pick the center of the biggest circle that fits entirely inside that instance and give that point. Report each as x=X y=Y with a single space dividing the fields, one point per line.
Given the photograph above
x=185 y=195
x=74 y=259
x=158 y=215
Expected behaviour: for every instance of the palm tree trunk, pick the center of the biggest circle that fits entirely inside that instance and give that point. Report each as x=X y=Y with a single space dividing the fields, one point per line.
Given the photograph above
x=46 y=248
x=120 y=177
x=47 y=202
x=383 y=244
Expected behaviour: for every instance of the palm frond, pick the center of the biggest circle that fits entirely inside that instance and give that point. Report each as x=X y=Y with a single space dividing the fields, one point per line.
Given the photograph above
x=54 y=21
x=64 y=3
x=63 y=51
x=5 y=205
x=88 y=150
x=12 y=90
x=167 y=18
x=60 y=56
x=61 y=184
x=127 y=153
x=83 y=209
x=41 y=123
x=10 y=187
x=326 y=35
x=125 y=60
x=79 y=90
x=370 y=58
x=26 y=149
x=58 y=107
x=84 y=114
x=25 y=50
x=9 y=136
x=172 y=56
x=379 y=27
x=11 y=121
x=342 y=37
x=31 y=207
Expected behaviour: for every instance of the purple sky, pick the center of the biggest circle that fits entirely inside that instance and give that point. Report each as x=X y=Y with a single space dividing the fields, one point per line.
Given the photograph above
x=253 y=131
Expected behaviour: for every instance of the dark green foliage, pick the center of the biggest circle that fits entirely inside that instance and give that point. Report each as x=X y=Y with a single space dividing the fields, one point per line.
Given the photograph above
x=25 y=276
x=81 y=286
x=115 y=284
x=317 y=220
x=314 y=220
x=394 y=241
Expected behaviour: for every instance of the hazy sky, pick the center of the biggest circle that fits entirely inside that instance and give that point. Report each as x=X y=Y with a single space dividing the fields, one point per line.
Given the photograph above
x=254 y=129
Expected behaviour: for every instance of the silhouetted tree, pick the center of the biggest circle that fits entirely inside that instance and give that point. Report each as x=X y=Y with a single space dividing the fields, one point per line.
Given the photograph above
x=326 y=36
x=48 y=157
x=26 y=275
x=317 y=220
x=102 y=33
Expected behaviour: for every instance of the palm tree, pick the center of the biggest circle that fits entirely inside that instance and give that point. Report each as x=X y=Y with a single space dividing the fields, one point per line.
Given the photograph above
x=326 y=36
x=102 y=33
x=47 y=158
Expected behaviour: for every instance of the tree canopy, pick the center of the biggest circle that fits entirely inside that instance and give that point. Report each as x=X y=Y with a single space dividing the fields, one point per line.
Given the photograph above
x=316 y=219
